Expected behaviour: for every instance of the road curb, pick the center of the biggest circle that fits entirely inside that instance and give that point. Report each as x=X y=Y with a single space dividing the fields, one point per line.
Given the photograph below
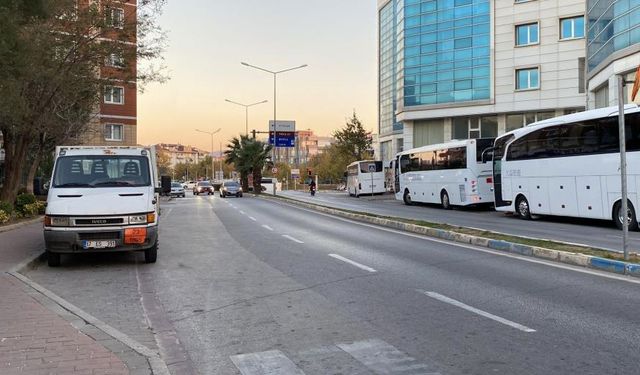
x=9 y=227
x=576 y=259
x=156 y=364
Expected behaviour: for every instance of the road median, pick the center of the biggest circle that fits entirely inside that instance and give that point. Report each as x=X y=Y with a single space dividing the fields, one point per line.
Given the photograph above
x=562 y=252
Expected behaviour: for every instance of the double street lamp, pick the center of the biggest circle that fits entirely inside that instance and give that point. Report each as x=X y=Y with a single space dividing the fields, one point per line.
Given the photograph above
x=275 y=74
x=246 y=110
x=213 y=167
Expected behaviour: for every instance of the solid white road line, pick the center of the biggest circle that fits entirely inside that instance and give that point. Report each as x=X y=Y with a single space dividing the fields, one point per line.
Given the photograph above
x=252 y=218
x=242 y=212
x=267 y=227
x=361 y=266
x=291 y=238
x=272 y=362
x=461 y=305
x=383 y=358
x=523 y=258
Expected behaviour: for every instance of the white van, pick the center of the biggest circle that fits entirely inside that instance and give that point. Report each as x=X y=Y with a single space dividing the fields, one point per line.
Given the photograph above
x=102 y=199
x=270 y=183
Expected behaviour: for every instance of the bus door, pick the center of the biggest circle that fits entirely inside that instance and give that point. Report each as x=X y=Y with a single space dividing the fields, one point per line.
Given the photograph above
x=396 y=175
x=498 y=155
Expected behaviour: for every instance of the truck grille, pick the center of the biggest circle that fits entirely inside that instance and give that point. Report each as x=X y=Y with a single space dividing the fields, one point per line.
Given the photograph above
x=100 y=221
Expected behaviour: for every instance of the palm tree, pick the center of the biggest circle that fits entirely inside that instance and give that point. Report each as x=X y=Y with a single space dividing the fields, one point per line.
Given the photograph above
x=249 y=156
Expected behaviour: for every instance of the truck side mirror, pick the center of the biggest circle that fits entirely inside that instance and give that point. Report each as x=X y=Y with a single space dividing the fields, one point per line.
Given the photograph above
x=165 y=185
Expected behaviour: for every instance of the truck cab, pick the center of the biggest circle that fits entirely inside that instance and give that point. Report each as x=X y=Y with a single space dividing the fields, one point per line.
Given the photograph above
x=102 y=199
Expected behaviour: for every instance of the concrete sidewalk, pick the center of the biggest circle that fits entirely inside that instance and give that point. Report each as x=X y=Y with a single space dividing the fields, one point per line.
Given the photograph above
x=33 y=339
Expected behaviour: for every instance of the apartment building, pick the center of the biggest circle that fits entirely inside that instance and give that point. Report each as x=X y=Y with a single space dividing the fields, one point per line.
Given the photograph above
x=613 y=48
x=459 y=69
x=116 y=119
x=181 y=154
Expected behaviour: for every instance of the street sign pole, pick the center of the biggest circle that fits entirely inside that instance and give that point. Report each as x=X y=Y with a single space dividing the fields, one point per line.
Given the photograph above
x=623 y=167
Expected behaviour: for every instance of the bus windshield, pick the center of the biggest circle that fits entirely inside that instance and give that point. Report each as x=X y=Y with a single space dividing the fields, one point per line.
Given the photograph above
x=101 y=171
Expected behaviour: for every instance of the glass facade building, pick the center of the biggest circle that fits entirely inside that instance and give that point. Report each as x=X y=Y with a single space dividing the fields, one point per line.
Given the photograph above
x=387 y=69
x=612 y=26
x=445 y=51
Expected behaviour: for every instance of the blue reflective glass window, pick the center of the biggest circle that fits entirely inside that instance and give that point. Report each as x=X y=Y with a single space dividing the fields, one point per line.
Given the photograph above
x=480 y=51
x=463 y=43
x=428 y=38
x=428 y=78
x=481 y=71
x=464 y=84
x=446 y=45
x=463 y=31
x=481 y=94
x=463 y=64
x=428 y=6
x=445 y=56
x=463 y=22
x=428 y=18
x=465 y=11
x=428 y=99
x=465 y=95
x=445 y=65
x=481 y=8
x=481 y=83
x=445 y=86
x=463 y=73
x=445 y=75
x=429 y=28
x=412 y=51
x=428 y=59
x=412 y=10
x=480 y=40
x=412 y=21
x=412 y=31
x=445 y=97
x=412 y=40
x=428 y=48
x=428 y=89
x=412 y=61
x=463 y=54
x=463 y=2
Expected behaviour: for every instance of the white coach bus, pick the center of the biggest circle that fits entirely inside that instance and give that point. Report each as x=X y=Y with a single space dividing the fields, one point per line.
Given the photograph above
x=569 y=166
x=365 y=177
x=451 y=174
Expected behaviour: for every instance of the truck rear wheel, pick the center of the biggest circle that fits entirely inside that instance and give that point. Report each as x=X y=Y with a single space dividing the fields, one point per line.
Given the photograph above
x=151 y=254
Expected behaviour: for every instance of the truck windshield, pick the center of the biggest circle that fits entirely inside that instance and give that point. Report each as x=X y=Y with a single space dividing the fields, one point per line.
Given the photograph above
x=101 y=171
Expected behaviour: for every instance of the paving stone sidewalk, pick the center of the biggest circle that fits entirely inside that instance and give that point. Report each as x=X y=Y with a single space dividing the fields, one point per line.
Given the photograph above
x=33 y=339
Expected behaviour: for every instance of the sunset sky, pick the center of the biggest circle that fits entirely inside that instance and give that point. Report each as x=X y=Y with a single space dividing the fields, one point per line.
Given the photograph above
x=209 y=38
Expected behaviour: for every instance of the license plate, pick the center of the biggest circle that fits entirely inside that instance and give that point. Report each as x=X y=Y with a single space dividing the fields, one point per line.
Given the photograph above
x=98 y=244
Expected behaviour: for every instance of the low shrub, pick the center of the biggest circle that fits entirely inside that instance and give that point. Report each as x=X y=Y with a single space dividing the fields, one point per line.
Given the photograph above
x=24 y=199
x=6 y=207
x=4 y=216
x=30 y=209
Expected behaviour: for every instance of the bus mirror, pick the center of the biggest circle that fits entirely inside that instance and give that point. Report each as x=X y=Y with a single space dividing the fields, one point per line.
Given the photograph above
x=487 y=154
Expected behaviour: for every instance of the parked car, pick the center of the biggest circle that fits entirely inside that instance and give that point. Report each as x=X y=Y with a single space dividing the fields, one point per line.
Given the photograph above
x=177 y=190
x=203 y=187
x=189 y=185
x=230 y=188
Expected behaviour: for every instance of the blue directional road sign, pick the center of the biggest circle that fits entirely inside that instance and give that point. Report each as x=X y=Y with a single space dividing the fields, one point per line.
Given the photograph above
x=284 y=139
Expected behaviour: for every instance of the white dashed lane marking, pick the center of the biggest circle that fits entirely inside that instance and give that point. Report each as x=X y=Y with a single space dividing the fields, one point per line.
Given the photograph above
x=291 y=238
x=267 y=227
x=472 y=309
x=252 y=218
x=351 y=262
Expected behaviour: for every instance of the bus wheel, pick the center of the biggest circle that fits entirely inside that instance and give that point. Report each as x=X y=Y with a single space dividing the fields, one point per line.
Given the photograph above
x=407 y=198
x=522 y=207
x=444 y=199
x=618 y=216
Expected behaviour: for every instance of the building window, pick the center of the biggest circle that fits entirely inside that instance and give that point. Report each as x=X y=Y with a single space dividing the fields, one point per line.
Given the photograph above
x=572 y=28
x=602 y=96
x=474 y=127
x=114 y=95
x=113 y=132
x=527 y=34
x=527 y=79
x=115 y=60
x=518 y=120
x=115 y=17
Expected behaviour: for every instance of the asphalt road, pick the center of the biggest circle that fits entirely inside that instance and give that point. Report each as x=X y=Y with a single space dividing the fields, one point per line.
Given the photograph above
x=254 y=286
x=597 y=233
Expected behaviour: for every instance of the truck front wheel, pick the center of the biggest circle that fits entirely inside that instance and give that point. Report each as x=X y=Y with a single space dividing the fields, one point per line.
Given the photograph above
x=151 y=254
x=53 y=259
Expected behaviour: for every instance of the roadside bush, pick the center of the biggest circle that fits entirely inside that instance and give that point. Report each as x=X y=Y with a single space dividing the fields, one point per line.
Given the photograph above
x=4 y=217
x=30 y=209
x=24 y=199
x=42 y=206
x=6 y=207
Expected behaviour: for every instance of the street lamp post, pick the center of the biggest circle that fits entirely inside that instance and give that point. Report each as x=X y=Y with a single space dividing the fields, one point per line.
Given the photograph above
x=275 y=74
x=246 y=112
x=213 y=167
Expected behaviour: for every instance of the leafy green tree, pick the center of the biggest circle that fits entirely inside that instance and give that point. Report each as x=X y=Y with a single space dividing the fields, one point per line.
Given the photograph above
x=331 y=164
x=250 y=157
x=52 y=54
x=353 y=140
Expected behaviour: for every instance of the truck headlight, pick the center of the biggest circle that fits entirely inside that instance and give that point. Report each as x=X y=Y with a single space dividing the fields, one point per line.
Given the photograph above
x=53 y=221
x=138 y=219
